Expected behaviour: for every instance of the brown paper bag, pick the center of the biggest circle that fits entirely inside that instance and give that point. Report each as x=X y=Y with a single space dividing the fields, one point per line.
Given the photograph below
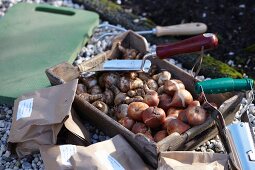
x=188 y=160
x=38 y=118
x=112 y=154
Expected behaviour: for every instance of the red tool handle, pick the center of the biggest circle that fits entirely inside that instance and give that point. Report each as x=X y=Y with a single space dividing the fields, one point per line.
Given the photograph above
x=190 y=45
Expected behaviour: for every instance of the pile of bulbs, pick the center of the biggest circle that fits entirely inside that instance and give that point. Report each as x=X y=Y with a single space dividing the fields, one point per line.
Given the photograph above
x=149 y=103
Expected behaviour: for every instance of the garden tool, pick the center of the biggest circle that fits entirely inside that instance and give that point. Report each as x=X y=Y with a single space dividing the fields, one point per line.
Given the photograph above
x=237 y=137
x=105 y=62
x=194 y=44
x=180 y=29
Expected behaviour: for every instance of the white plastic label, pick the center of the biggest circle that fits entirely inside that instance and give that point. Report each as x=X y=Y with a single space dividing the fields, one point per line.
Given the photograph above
x=66 y=152
x=108 y=161
x=25 y=108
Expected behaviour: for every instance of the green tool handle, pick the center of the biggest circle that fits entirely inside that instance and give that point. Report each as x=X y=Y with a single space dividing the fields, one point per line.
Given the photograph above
x=222 y=85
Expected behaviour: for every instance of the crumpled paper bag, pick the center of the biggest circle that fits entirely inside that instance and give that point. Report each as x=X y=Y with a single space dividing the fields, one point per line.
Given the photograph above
x=39 y=117
x=112 y=154
x=189 y=160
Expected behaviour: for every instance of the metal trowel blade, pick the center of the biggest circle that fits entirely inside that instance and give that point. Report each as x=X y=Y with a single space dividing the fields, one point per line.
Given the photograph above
x=123 y=65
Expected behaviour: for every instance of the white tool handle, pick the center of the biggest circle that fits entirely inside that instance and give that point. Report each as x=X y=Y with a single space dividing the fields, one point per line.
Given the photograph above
x=181 y=29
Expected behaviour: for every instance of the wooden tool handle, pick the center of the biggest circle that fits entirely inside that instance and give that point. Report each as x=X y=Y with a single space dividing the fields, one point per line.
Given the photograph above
x=181 y=29
x=89 y=64
x=190 y=45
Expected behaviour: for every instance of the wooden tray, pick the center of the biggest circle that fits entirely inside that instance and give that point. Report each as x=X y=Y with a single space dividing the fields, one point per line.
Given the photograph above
x=147 y=149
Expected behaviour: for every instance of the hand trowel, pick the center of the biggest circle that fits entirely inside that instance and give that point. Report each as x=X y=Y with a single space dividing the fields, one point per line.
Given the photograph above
x=66 y=71
x=194 y=44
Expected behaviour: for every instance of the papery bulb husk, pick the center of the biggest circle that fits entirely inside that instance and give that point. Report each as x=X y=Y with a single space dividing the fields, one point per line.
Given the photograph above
x=164 y=101
x=108 y=96
x=173 y=112
x=134 y=99
x=108 y=79
x=90 y=98
x=148 y=135
x=135 y=110
x=164 y=76
x=151 y=98
x=101 y=106
x=196 y=115
x=81 y=88
x=182 y=98
x=95 y=90
x=137 y=83
x=152 y=84
x=153 y=117
x=194 y=103
x=127 y=122
x=143 y=76
x=171 y=86
x=167 y=121
x=120 y=98
x=178 y=126
x=121 y=111
x=160 y=135
x=182 y=116
x=160 y=90
x=124 y=84
x=132 y=75
x=139 y=127
x=89 y=81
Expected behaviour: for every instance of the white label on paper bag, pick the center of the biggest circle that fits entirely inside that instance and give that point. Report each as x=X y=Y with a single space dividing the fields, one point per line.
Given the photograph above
x=25 y=108
x=108 y=161
x=67 y=151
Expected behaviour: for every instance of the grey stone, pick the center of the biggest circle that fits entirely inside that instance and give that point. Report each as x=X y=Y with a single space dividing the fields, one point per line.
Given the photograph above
x=16 y=168
x=203 y=148
x=213 y=141
x=7 y=154
x=9 y=112
x=33 y=165
x=7 y=159
x=36 y=159
x=2 y=123
x=39 y=163
x=102 y=138
x=210 y=150
x=210 y=146
x=26 y=165
x=95 y=136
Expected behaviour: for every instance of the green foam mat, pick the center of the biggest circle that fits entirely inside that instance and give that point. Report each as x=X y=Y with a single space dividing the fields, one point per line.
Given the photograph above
x=35 y=37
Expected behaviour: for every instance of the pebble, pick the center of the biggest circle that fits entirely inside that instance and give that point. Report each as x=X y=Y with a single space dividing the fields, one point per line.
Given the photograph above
x=242 y=6
x=95 y=136
x=7 y=154
x=210 y=150
x=2 y=123
x=231 y=53
x=26 y=165
x=231 y=63
x=101 y=138
x=210 y=146
x=203 y=148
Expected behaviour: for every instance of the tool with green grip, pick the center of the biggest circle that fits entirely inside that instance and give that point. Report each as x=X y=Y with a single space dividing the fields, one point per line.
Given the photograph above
x=222 y=85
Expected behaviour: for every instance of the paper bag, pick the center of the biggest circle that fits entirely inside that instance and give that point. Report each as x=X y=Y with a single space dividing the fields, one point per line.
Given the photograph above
x=188 y=160
x=112 y=154
x=39 y=117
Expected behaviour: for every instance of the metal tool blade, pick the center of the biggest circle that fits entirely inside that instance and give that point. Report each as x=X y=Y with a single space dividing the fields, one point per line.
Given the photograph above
x=123 y=65
x=153 y=31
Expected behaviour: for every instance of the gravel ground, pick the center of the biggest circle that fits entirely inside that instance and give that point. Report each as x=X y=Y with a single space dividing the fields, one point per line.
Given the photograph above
x=92 y=48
